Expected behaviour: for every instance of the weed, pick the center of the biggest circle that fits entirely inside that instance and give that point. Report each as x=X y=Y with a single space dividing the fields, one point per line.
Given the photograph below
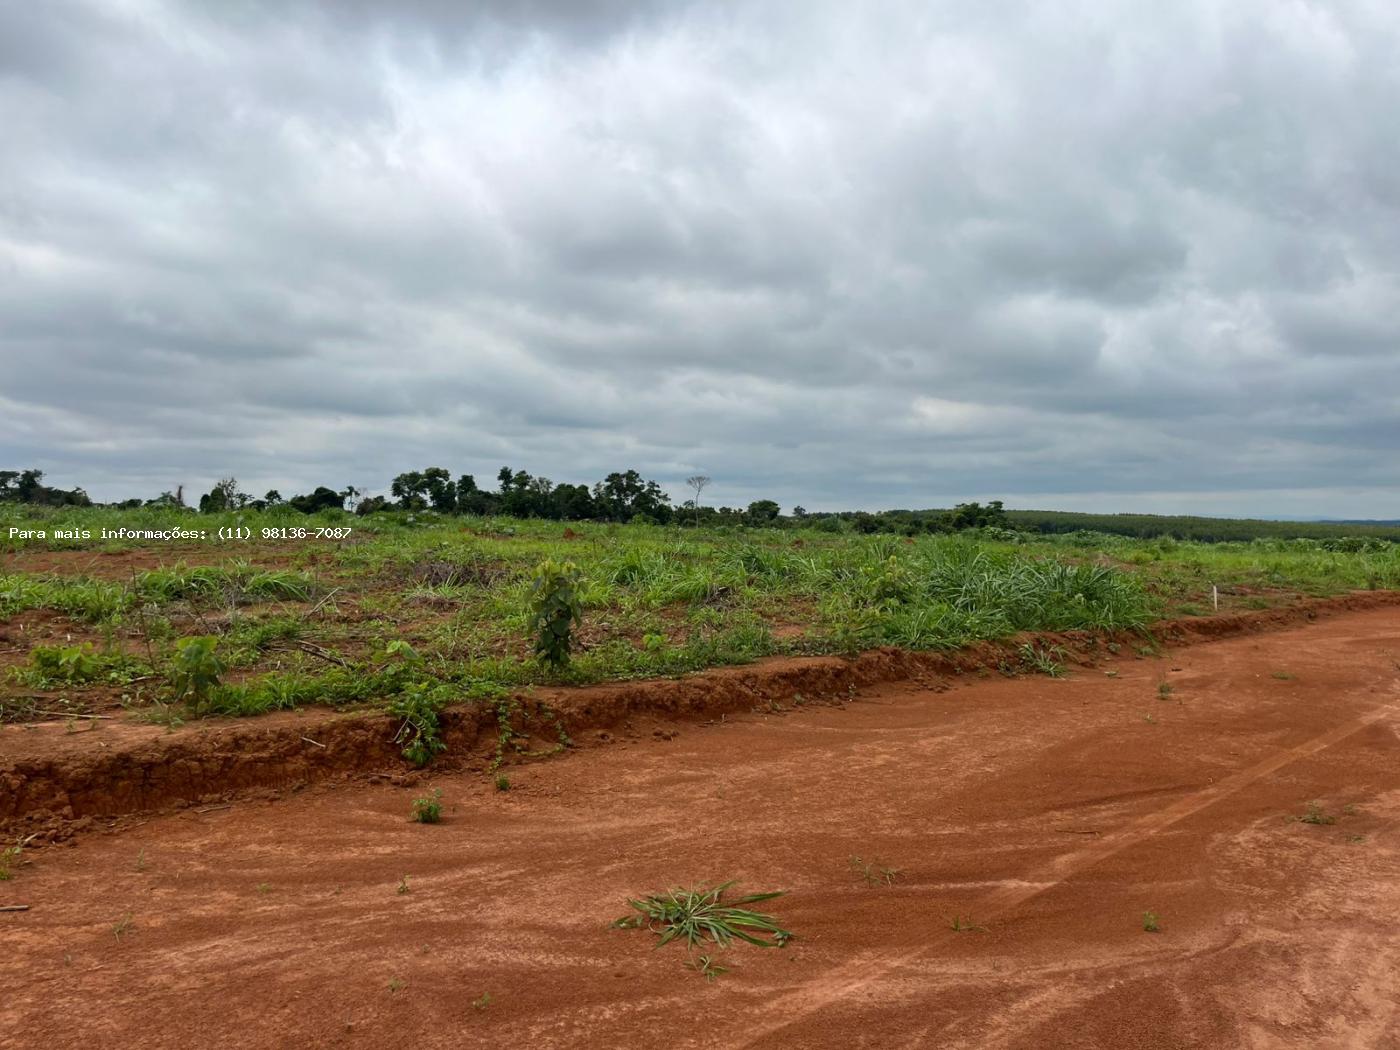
x=694 y=914
x=402 y=886
x=122 y=926
x=1283 y=676
x=420 y=734
x=264 y=887
x=9 y=860
x=1150 y=922
x=1164 y=690
x=707 y=968
x=874 y=873
x=1315 y=815
x=141 y=859
x=958 y=924
x=502 y=782
x=196 y=671
x=56 y=665
x=1045 y=662
x=1354 y=839
x=428 y=810
x=482 y=1001
x=397 y=984
x=554 y=610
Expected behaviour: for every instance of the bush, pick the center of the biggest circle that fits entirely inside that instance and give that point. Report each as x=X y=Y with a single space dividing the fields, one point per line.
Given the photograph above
x=196 y=671
x=554 y=609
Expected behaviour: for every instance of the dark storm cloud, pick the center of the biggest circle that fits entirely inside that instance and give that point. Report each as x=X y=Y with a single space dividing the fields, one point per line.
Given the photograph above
x=838 y=255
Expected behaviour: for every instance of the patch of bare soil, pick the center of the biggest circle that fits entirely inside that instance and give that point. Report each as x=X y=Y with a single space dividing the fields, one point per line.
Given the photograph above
x=1045 y=815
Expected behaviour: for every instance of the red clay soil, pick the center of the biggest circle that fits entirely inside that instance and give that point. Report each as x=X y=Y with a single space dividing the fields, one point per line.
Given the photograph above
x=1046 y=815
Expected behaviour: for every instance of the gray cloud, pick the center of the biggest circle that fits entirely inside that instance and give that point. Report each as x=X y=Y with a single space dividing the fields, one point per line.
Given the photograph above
x=840 y=256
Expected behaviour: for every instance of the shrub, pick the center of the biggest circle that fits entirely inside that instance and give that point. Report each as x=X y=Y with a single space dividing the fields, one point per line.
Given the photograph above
x=420 y=735
x=196 y=671
x=554 y=610
x=428 y=810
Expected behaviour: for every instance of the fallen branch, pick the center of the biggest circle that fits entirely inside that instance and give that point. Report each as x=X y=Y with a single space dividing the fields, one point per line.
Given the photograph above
x=316 y=742
x=324 y=654
x=212 y=809
x=75 y=714
x=14 y=907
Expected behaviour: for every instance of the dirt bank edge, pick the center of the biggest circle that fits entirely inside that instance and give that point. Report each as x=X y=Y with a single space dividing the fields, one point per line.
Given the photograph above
x=52 y=795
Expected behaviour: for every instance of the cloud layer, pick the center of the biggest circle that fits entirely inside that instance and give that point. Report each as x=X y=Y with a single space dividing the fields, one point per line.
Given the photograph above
x=844 y=256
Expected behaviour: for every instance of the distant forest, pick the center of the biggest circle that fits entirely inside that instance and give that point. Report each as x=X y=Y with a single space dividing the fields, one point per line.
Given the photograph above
x=625 y=496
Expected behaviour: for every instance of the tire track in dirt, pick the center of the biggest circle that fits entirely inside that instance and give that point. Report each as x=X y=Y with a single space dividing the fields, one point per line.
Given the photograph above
x=867 y=969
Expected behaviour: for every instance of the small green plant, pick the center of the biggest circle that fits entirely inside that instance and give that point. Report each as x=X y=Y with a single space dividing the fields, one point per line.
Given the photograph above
x=502 y=782
x=69 y=664
x=1164 y=690
x=420 y=732
x=428 y=810
x=196 y=671
x=141 y=859
x=1315 y=815
x=9 y=860
x=554 y=610
x=874 y=872
x=402 y=887
x=1045 y=662
x=397 y=984
x=1150 y=922
x=264 y=887
x=122 y=926
x=959 y=924
x=1283 y=676
x=695 y=914
x=482 y=1001
x=707 y=968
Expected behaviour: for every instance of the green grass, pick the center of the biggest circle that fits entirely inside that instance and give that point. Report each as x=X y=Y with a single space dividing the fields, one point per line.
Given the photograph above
x=655 y=601
x=700 y=914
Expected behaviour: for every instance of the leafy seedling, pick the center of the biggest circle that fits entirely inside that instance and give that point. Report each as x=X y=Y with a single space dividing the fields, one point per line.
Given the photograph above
x=707 y=968
x=428 y=810
x=9 y=860
x=503 y=783
x=1150 y=922
x=482 y=1002
x=403 y=885
x=874 y=872
x=122 y=926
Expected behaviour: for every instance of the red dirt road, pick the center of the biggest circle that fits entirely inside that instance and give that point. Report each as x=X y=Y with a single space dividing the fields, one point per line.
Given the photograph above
x=1047 y=814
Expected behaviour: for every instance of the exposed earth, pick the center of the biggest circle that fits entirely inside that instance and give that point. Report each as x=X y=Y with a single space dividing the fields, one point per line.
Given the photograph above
x=1042 y=817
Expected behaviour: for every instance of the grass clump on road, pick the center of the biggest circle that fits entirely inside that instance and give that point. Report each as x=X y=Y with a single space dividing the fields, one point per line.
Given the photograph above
x=695 y=915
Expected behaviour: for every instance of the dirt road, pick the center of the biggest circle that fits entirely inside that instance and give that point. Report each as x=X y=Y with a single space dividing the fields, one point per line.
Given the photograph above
x=1045 y=815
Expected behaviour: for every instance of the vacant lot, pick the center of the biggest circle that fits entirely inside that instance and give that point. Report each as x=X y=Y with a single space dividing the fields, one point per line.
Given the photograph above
x=1020 y=823
x=1042 y=817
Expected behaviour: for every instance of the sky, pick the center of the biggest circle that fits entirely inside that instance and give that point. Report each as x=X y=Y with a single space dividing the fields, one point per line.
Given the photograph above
x=1098 y=256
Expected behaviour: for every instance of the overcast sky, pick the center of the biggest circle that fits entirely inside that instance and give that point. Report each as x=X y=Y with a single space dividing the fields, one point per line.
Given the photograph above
x=1071 y=255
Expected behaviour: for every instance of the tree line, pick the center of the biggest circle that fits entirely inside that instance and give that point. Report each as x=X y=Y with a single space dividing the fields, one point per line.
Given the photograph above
x=622 y=496
x=626 y=496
